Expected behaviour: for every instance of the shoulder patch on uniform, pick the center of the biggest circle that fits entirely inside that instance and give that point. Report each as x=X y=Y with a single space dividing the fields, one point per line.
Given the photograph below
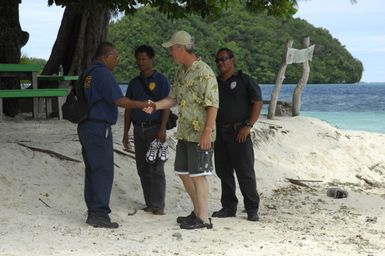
x=87 y=82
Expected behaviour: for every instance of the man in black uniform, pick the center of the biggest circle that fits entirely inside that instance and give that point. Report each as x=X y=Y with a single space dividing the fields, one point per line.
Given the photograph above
x=240 y=103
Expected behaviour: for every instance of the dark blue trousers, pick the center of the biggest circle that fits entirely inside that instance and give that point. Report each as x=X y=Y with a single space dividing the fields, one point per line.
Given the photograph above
x=97 y=151
x=230 y=157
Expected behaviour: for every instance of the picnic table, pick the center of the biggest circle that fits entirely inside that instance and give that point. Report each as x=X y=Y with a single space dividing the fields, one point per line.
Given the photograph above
x=62 y=80
x=62 y=83
x=30 y=72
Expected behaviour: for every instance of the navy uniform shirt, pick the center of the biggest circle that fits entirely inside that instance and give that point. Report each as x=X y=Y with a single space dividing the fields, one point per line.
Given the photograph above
x=159 y=87
x=236 y=96
x=101 y=90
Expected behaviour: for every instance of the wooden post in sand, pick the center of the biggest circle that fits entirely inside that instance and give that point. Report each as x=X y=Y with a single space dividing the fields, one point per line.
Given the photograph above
x=303 y=80
x=290 y=56
x=278 y=82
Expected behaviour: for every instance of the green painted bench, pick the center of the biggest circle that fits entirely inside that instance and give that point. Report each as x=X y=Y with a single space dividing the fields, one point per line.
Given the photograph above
x=19 y=68
x=60 y=93
x=21 y=72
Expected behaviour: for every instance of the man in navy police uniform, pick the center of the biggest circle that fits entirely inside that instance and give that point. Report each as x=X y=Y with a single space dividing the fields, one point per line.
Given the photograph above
x=103 y=96
x=148 y=85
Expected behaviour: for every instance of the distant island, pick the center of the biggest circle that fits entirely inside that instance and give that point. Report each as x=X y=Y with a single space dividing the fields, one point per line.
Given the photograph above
x=258 y=41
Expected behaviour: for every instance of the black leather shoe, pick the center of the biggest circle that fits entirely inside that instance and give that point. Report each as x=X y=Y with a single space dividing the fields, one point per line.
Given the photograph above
x=224 y=213
x=157 y=211
x=196 y=224
x=190 y=217
x=100 y=221
x=147 y=209
x=252 y=216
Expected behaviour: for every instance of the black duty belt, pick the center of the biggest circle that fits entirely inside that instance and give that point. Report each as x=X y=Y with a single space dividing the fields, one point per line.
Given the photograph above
x=234 y=126
x=146 y=124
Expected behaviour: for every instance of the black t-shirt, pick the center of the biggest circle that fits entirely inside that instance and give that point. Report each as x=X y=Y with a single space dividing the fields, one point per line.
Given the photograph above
x=236 y=96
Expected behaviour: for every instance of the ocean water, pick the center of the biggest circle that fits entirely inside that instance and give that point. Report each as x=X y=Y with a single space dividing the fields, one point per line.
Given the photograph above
x=346 y=106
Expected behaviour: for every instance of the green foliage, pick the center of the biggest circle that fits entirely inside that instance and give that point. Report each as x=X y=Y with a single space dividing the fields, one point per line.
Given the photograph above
x=24 y=59
x=181 y=8
x=258 y=42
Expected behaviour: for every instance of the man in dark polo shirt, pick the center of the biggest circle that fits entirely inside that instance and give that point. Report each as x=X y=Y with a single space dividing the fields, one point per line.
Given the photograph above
x=148 y=85
x=240 y=104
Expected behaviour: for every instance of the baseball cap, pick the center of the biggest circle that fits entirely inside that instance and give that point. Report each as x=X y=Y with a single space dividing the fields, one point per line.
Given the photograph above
x=180 y=37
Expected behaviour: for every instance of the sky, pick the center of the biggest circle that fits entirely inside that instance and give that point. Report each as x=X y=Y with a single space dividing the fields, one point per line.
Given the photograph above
x=359 y=27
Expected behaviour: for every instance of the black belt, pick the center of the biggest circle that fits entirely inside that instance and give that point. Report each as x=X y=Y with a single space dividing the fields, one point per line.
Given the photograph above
x=146 y=124
x=234 y=126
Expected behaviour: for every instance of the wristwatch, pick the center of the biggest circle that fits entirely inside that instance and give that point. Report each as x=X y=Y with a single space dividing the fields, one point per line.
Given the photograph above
x=248 y=124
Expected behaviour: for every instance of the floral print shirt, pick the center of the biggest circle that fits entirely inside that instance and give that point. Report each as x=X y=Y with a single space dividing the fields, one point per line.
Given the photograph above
x=194 y=90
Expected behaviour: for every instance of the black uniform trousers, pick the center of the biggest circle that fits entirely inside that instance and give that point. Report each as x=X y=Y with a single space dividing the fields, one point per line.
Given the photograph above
x=151 y=176
x=232 y=156
x=97 y=151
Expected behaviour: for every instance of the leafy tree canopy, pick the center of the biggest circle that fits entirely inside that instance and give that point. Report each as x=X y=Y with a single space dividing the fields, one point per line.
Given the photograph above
x=24 y=59
x=257 y=40
x=180 y=8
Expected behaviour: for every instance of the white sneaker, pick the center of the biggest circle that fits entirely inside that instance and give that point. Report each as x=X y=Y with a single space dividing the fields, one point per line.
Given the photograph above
x=163 y=151
x=153 y=151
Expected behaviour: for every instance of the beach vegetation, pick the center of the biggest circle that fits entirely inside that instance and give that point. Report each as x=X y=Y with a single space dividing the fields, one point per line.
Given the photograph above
x=85 y=22
x=258 y=42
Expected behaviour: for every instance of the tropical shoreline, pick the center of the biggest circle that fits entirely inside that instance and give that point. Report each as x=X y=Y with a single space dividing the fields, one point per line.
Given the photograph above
x=44 y=213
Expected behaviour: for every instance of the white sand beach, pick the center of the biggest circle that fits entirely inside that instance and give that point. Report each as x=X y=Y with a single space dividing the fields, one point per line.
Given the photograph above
x=43 y=211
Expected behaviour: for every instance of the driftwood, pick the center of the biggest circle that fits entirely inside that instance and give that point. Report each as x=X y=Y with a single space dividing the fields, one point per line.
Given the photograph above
x=51 y=153
x=301 y=182
x=367 y=181
x=41 y=200
x=125 y=152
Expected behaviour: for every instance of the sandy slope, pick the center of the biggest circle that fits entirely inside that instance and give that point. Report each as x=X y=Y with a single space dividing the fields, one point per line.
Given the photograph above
x=43 y=211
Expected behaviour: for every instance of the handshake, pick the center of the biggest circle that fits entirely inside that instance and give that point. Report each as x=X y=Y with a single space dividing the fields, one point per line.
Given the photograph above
x=150 y=107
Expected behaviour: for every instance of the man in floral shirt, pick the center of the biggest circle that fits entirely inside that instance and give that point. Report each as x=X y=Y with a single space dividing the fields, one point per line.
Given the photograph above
x=195 y=90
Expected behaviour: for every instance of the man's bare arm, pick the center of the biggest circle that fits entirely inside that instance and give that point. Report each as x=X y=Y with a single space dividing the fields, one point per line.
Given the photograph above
x=205 y=140
x=165 y=103
x=125 y=102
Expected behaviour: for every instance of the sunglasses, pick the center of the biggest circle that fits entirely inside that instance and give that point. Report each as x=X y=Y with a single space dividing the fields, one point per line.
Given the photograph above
x=222 y=59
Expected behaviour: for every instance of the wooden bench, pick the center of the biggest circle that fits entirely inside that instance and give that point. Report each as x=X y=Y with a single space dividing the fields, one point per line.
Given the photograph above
x=24 y=68
x=60 y=93
x=57 y=78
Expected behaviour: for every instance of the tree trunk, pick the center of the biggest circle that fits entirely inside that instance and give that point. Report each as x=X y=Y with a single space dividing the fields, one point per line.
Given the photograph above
x=12 y=38
x=79 y=35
